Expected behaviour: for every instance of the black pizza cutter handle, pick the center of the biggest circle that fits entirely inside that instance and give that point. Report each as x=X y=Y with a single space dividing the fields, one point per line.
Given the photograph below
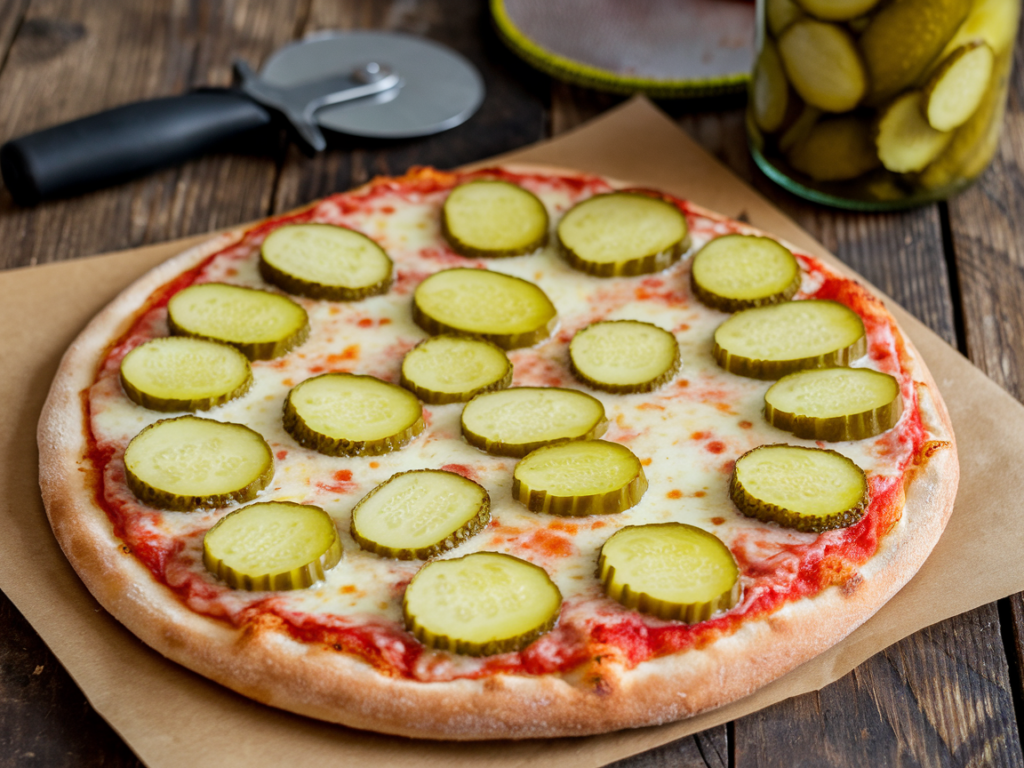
x=125 y=142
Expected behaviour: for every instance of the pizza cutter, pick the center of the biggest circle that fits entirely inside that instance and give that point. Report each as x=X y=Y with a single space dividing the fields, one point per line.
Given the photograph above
x=381 y=85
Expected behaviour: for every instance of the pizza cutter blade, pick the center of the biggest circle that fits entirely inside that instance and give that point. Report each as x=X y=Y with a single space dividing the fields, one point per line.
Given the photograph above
x=381 y=85
x=437 y=89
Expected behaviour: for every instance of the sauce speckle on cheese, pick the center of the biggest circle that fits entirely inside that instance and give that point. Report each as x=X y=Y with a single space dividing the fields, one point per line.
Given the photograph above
x=687 y=434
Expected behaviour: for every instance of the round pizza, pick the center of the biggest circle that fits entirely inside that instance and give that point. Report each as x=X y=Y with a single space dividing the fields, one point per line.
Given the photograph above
x=510 y=453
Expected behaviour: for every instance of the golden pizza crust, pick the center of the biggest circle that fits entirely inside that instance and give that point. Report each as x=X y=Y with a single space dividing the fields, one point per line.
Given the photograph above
x=266 y=664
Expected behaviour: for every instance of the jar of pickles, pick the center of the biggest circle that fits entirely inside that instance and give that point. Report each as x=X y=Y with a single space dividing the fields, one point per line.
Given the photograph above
x=879 y=104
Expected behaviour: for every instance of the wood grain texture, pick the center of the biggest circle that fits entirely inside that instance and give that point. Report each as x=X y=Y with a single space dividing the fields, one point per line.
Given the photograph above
x=514 y=112
x=44 y=719
x=76 y=57
x=986 y=230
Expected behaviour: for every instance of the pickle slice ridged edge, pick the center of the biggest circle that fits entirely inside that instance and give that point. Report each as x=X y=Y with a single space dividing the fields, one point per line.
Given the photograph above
x=297 y=426
x=852 y=426
x=630 y=265
x=616 y=498
x=637 y=599
x=768 y=512
x=666 y=373
x=439 y=397
x=464 y=532
x=594 y=428
x=214 y=396
x=708 y=296
x=164 y=499
x=300 y=286
x=299 y=577
x=433 y=637
x=760 y=368
x=254 y=350
x=463 y=248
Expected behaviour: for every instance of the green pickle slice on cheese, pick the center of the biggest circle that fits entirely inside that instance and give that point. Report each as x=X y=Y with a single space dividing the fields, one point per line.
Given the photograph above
x=323 y=261
x=492 y=218
x=420 y=514
x=260 y=324
x=504 y=310
x=674 y=571
x=578 y=478
x=809 y=489
x=454 y=369
x=179 y=373
x=834 y=404
x=624 y=356
x=769 y=342
x=346 y=414
x=276 y=545
x=735 y=272
x=481 y=604
x=513 y=422
x=189 y=463
x=623 y=234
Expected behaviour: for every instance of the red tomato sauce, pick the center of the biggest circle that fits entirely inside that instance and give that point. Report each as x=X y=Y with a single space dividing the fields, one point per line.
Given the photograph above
x=628 y=636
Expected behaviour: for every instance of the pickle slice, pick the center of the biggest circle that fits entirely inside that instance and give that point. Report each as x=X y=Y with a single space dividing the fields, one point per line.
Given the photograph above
x=323 y=261
x=780 y=14
x=903 y=38
x=769 y=342
x=623 y=234
x=504 y=310
x=480 y=604
x=958 y=86
x=735 y=272
x=809 y=489
x=624 y=356
x=991 y=21
x=800 y=129
x=675 y=571
x=260 y=324
x=905 y=140
x=420 y=514
x=769 y=92
x=836 y=149
x=837 y=10
x=579 y=478
x=188 y=463
x=823 y=65
x=493 y=218
x=834 y=404
x=453 y=369
x=178 y=373
x=345 y=414
x=276 y=545
x=515 y=421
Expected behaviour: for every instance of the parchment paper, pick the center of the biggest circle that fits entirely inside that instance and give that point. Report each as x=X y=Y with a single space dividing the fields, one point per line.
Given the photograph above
x=172 y=718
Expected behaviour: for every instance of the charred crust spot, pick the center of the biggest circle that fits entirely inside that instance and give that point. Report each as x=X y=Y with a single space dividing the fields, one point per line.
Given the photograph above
x=126 y=549
x=929 y=449
x=337 y=646
x=850 y=585
x=494 y=684
x=601 y=685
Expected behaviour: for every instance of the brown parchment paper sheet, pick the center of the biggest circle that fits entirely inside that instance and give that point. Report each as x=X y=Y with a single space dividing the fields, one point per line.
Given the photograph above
x=172 y=718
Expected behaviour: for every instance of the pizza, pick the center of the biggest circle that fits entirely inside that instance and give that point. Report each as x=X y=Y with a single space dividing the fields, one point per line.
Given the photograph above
x=511 y=453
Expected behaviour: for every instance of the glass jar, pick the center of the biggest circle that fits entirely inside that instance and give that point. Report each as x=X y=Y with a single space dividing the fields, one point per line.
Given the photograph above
x=879 y=104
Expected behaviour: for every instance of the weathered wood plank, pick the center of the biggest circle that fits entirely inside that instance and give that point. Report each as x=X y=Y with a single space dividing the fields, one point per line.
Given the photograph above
x=74 y=57
x=514 y=111
x=11 y=14
x=938 y=698
x=987 y=232
x=44 y=718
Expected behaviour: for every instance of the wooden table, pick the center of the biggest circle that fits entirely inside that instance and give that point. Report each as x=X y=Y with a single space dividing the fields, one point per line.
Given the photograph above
x=949 y=695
